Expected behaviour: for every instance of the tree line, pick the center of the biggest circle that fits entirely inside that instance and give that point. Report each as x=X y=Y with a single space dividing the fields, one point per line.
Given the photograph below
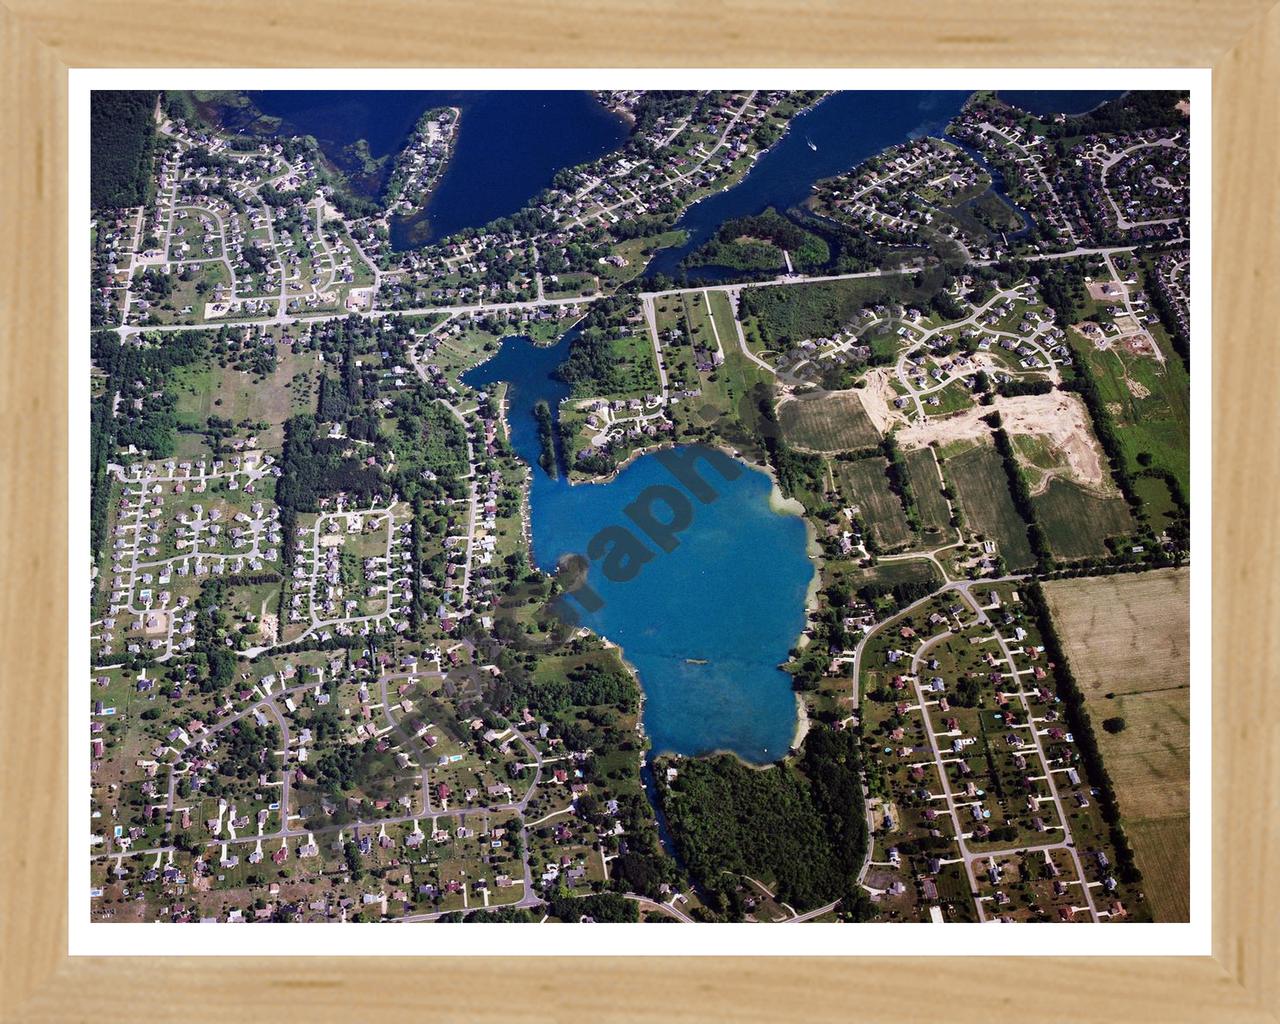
x=1020 y=492
x=1077 y=716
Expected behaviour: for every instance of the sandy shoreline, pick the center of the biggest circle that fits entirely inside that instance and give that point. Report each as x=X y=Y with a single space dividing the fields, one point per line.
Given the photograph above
x=802 y=722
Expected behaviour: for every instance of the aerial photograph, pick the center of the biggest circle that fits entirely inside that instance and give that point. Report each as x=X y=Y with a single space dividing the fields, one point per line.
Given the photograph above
x=637 y=506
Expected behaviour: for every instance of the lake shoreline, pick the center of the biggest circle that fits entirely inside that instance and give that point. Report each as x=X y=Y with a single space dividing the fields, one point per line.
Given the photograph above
x=779 y=504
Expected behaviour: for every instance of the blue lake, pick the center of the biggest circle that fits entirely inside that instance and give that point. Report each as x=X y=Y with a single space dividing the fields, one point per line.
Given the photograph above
x=1043 y=102
x=510 y=144
x=705 y=625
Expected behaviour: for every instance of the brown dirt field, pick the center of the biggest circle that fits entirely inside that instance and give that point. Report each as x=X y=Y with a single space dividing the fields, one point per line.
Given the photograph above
x=1059 y=416
x=1125 y=633
x=1161 y=848
x=1148 y=760
x=1130 y=635
x=877 y=399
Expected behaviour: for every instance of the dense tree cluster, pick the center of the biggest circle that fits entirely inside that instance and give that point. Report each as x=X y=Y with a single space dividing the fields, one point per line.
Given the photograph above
x=757 y=242
x=313 y=467
x=546 y=440
x=592 y=683
x=1133 y=112
x=605 y=908
x=803 y=825
x=122 y=134
x=345 y=767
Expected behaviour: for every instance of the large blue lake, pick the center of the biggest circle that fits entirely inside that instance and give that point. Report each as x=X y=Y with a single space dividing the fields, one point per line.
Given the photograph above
x=705 y=625
x=510 y=144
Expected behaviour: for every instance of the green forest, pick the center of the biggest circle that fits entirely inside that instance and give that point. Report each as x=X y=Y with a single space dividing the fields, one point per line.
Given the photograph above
x=801 y=825
x=756 y=243
x=121 y=148
x=593 y=365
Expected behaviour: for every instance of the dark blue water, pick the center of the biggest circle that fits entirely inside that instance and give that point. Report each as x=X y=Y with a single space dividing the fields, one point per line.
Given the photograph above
x=508 y=148
x=846 y=128
x=337 y=118
x=1043 y=102
x=731 y=594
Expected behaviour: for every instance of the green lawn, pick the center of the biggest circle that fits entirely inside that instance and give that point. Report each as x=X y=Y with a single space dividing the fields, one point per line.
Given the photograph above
x=1077 y=522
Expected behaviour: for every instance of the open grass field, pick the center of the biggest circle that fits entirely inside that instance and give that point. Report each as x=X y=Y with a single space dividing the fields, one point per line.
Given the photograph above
x=1161 y=850
x=1157 y=501
x=722 y=314
x=926 y=485
x=828 y=421
x=1128 y=635
x=982 y=490
x=1077 y=521
x=1150 y=406
x=864 y=483
x=953 y=398
x=235 y=395
x=1148 y=760
x=905 y=570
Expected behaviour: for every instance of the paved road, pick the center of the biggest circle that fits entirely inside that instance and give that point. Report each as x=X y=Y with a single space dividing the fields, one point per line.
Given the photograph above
x=1044 y=761
x=498 y=307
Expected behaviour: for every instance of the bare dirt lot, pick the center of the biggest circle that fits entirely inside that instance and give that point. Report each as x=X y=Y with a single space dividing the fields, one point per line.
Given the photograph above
x=1128 y=636
x=877 y=399
x=1058 y=416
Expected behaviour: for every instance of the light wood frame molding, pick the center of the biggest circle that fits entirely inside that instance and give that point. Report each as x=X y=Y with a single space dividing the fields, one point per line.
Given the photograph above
x=42 y=39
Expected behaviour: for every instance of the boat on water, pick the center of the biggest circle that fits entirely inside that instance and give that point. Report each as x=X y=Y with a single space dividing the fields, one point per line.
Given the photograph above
x=811 y=145
x=696 y=661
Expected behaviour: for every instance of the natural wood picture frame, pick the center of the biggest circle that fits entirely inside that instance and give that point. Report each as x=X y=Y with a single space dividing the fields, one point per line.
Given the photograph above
x=1239 y=39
